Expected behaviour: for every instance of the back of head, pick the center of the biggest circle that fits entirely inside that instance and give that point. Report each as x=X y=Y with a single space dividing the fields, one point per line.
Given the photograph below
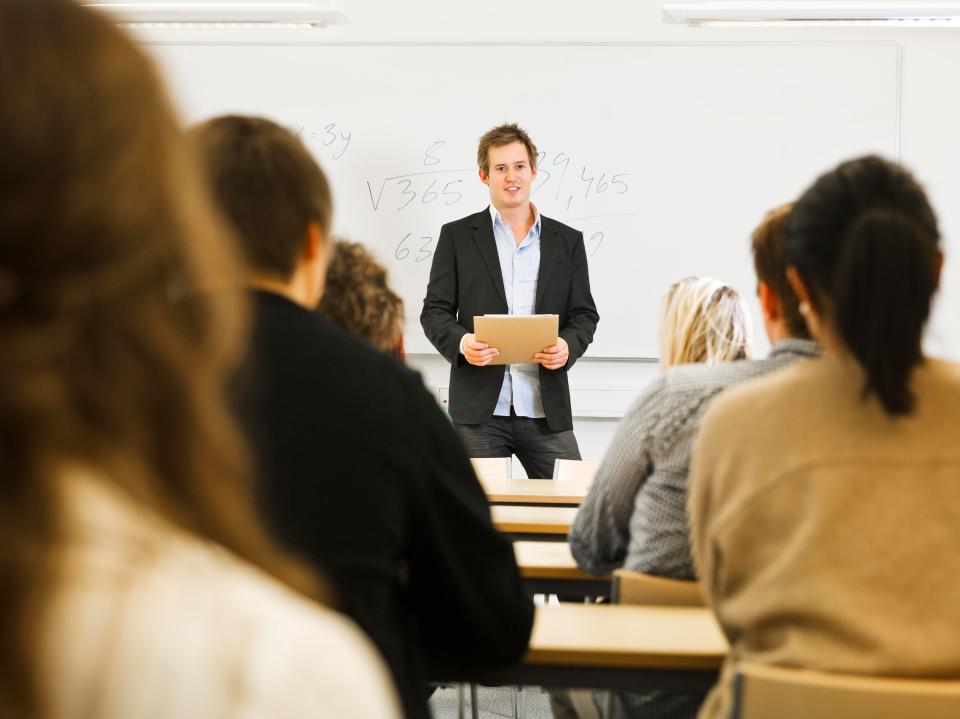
x=865 y=241
x=358 y=298
x=268 y=185
x=769 y=262
x=702 y=320
x=105 y=228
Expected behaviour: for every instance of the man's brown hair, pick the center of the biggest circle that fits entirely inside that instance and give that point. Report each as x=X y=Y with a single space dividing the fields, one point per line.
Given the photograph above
x=359 y=300
x=504 y=135
x=268 y=185
x=769 y=263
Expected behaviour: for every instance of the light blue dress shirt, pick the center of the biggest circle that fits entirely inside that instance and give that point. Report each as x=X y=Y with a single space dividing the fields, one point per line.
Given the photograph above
x=520 y=265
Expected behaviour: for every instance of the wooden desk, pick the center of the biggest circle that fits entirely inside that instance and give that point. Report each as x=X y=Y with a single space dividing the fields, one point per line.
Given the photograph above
x=619 y=647
x=536 y=491
x=553 y=521
x=549 y=568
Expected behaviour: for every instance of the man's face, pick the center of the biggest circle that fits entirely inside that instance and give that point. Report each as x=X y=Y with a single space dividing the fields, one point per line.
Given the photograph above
x=510 y=176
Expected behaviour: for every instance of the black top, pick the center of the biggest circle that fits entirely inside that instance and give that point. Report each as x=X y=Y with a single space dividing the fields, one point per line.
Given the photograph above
x=360 y=471
x=466 y=280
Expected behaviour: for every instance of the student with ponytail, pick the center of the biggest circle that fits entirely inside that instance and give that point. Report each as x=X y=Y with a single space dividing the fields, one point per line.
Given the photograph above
x=825 y=498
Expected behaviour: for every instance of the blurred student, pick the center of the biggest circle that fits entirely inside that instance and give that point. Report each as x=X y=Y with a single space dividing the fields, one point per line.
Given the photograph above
x=635 y=515
x=702 y=320
x=358 y=467
x=358 y=298
x=825 y=498
x=127 y=577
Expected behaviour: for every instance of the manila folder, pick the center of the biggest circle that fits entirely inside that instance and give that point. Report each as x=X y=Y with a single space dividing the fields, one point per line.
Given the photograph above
x=518 y=337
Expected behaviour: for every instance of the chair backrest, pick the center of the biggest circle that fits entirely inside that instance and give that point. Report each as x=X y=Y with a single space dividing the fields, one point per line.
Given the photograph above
x=575 y=468
x=762 y=691
x=639 y=588
x=491 y=467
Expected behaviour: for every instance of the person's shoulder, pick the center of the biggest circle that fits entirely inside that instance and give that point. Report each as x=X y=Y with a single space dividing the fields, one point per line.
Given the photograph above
x=762 y=401
x=468 y=222
x=381 y=374
x=297 y=656
x=706 y=379
x=284 y=325
x=552 y=226
x=942 y=371
x=936 y=383
x=193 y=610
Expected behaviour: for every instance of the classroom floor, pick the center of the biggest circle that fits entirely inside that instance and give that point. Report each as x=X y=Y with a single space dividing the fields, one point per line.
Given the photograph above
x=494 y=702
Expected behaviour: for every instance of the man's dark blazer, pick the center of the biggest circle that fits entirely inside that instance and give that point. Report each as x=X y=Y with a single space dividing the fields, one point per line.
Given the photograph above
x=466 y=280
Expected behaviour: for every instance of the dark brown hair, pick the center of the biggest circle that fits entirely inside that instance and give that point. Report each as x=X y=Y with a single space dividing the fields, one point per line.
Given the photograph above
x=504 y=135
x=865 y=240
x=268 y=184
x=771 y=267
x=114 y=354
x=358 y=298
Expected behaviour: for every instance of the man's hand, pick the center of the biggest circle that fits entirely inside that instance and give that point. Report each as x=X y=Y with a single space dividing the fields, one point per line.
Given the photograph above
x=554 y=357
x=479 y=354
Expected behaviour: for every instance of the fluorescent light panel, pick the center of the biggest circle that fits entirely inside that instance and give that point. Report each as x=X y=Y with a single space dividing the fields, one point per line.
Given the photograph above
x=155 y=14
x=791 y=13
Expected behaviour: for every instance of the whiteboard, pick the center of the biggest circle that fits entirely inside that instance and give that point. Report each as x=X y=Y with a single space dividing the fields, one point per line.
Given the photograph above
x=665 y=156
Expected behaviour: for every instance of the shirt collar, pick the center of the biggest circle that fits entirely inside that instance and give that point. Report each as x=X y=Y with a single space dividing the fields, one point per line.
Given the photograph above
x=495 y=218
x=795 y=346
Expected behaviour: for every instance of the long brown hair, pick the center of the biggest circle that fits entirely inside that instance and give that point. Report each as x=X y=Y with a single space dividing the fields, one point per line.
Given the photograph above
x=113 y=351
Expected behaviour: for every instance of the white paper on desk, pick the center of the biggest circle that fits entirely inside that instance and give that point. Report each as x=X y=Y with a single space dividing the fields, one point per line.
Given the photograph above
x=518 y=337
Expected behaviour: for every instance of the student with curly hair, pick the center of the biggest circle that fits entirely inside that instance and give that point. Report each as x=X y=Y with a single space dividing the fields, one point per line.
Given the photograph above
x=359 y=300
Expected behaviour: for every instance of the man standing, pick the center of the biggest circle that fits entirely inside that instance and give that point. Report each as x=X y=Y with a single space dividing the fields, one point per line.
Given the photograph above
x=509 y=259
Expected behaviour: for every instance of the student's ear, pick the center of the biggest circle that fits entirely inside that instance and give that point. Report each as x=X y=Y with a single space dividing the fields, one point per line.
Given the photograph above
x=314 y=242
x=809 y=310
x=769 y=303
x=484 y=177
x=316 y=255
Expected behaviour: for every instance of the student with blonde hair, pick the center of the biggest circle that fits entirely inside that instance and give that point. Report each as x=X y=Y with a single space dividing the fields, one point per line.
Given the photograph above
x=825 y=499
x=635 y=514
x=135 y=579
x=702 y=320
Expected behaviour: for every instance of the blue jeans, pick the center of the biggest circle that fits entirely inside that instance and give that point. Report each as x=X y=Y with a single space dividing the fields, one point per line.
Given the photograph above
x=532 y=440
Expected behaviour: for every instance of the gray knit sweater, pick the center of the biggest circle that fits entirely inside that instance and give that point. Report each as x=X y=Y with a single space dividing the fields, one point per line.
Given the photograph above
x=635 y=514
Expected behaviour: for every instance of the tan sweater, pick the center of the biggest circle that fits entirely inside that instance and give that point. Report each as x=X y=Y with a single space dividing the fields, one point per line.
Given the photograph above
x=827 y=534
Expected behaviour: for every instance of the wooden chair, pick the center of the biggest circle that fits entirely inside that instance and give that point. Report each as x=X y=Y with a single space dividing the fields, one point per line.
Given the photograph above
x=491 y=467
x=575 y=468
x=762 y=691
x=646 y=589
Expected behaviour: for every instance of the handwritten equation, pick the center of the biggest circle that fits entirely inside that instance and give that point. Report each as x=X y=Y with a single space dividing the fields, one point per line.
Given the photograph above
x=557 y=175
x=428 y=187
x=554 y=171
x=417 y=247
x=330 y=136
